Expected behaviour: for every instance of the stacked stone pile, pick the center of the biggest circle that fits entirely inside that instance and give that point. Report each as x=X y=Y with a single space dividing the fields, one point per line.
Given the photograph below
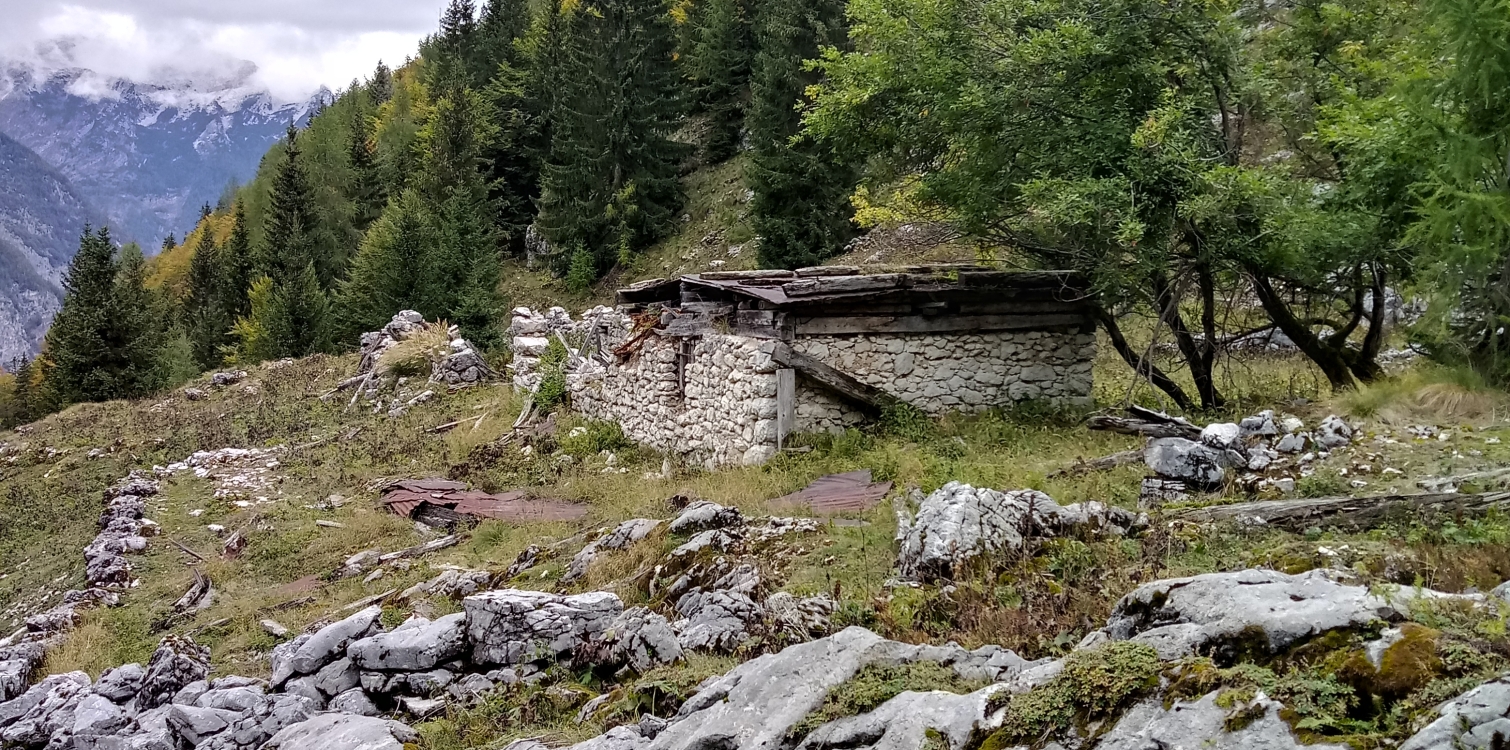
x=1265 y=452
x=459 y=366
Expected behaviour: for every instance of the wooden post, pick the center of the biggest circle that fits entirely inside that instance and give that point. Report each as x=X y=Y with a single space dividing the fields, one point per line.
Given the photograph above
x=786 y=405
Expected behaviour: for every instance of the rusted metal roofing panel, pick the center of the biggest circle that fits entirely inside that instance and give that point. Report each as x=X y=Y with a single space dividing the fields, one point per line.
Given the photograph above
x=837 y=493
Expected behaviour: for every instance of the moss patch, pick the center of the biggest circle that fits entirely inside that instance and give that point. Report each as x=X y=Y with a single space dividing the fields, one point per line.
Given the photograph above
x=1095 y=683
x=876 y=684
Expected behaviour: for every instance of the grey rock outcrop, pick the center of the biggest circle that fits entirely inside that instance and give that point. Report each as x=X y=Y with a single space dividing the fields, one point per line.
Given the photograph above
x=624 y=535
x=702 y=515
x=330 y=642
x=417 y=646
x=1476 y=720
x=177 y=662
x=1198 y=464
x=907 y=721
x=1216 y=612
x=513 y=626
x=1187 y=725
x=16 y=665
x=958 y=522
x=342 y=732
x=1333 y=433
x=716 y=620
x=755 y=705
x=637 y=638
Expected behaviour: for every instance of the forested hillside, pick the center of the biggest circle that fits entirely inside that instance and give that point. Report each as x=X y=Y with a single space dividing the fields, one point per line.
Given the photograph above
x=1216 y=170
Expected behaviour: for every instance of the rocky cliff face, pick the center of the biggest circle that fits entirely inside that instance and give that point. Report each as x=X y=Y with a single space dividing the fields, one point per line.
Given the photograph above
x=138 y=158
x=41 y=215
x=149 y=155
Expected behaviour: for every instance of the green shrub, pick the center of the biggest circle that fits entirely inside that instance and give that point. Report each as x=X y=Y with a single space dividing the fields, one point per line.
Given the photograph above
x=595 y=437
x=1324 y=483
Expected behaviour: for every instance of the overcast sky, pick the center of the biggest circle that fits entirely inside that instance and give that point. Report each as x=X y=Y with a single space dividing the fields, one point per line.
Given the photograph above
x=296 y=45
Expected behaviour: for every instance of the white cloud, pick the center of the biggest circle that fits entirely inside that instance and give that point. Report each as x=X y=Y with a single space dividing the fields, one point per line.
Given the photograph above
x=293 y=46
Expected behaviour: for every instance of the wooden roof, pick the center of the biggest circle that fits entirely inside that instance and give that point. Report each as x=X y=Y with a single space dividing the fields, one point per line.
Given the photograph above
x=837 y=300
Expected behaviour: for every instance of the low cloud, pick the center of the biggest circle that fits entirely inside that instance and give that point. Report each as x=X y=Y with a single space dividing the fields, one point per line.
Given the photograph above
x=288 y=47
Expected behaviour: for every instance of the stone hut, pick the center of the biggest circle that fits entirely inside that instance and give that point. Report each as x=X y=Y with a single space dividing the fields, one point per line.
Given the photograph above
x=721 y=367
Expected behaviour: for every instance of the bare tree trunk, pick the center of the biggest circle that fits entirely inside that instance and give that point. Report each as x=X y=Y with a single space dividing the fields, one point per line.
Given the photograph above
x=1168 y=303
x=1329 y=360
x=1140 y=364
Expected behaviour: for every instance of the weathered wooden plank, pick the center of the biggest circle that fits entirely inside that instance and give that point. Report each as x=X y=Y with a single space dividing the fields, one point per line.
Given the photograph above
x=845 y=284
x=872 y=398
x=815 y=326
x=746 y=275
x=819 y=271
x=1014 y=306
x=1349 y=512
x=786 y=404
x=650 y=290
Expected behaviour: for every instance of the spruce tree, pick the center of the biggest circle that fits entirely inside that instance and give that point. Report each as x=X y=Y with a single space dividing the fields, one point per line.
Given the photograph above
x=614 y=111
x=240 y=266
x=722 y=50
x=207 y=320
x=169 y=243
x=139 y=327
x=450 y=54
x=366 y=189
x=82 y=366
x=25 y=402
x=500 y=24
x=801 y=204
x=297 y=324
x=386 y=275
x=380 y=88
x=463 y=264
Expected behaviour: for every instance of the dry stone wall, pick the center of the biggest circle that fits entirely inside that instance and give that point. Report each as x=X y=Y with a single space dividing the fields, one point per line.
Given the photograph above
x=970 y=372
x=712 y=399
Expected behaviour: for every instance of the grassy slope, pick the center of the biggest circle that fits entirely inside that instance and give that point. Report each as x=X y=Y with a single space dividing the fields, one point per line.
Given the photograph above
x=50 y=496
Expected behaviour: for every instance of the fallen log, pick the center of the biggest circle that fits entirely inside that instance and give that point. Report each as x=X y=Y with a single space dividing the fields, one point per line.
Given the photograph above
x=1145 y=422
x=422 y=549
x=1347 y=512
x=1104 y=463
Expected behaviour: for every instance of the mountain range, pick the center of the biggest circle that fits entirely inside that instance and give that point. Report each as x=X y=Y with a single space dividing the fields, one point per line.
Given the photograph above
x=140 y=158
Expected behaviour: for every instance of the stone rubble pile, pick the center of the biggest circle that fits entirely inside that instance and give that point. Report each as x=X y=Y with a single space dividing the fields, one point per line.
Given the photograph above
x=245 y=476
x=1265 y=452
x=598 y=330
x=958 y=523
x=459 y=366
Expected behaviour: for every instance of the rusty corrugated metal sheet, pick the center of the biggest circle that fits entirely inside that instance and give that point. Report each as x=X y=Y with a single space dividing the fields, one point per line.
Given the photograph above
x=837 y=493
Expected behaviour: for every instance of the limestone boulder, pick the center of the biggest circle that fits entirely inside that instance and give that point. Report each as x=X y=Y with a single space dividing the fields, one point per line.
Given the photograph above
x=1220 y=614
x=412 y=649
x=16 y=666
x=122 y=683
x=330 y=642
x=958 y=522
x=637 y=638
x=907 y=722
x=756 y=705
x=1186 y=460
x=1333 y=433
x=513 y=626
x=622 y=537
x=702 y=515
x=177 y=662
x=1476 y=720
x=719 y=620
x=342 y=732
x=1187 y=725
